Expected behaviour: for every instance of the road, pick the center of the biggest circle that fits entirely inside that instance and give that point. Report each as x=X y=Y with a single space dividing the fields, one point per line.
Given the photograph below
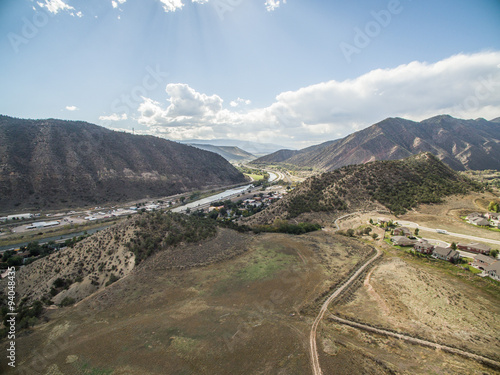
x=411 y=224
x=313 y=350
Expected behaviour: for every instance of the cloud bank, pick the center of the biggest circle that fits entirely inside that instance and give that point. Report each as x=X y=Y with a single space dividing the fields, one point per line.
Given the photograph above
x=464 y=86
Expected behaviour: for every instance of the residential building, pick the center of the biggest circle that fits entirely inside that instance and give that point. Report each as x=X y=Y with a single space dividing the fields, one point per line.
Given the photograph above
x=402 y=231
x=402 y=241
x=482 y=261
x=474 y=247
x=445 y=253
x=424 y=247
x=473 y=215
x=493 y=271
x=480 y=221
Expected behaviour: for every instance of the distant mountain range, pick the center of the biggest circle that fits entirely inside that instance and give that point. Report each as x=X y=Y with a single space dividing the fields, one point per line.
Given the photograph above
x=254 y=148
x=232 y=154
x=54 y=163
x=462 y=144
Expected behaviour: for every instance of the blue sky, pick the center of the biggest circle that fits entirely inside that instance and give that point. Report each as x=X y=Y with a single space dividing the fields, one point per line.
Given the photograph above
x=294 y=73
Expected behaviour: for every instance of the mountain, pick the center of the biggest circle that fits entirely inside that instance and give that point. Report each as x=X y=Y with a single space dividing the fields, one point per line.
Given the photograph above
x=54 y=163
x=295 y=157
x=230 y=153
x=255 y=148
x=462 y=144
x=396 y=185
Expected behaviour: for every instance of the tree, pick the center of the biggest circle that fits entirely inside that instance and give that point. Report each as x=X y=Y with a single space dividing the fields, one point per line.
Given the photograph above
x=374 y=236
x=350 y=232
x=416 y=232
x=494 y=253
x=493 y=207
x=453 y=246
x=371 y=221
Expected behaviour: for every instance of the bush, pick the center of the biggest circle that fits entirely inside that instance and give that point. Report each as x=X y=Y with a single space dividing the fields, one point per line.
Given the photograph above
x=67 y=301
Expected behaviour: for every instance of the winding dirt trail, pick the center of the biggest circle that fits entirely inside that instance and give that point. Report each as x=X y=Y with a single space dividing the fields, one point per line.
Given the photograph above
x=313 y=350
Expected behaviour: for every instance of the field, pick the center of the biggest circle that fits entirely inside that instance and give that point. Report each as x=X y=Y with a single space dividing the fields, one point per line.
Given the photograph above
x=415 y=297
x=240 y=316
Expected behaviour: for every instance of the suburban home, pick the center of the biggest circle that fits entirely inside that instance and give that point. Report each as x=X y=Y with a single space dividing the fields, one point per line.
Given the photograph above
x=480 y=221
x=402 y=231
x=402 y=241
x=382 y=220
x=493 y=216
x=482 y=261
x=445 y=253
x=473 y=215
x=424 y=247
x=474 y=247
x=494 y=271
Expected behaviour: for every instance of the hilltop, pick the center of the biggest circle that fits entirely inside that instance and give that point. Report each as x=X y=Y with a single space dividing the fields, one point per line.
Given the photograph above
x=230 y=153
x=55 y=163
x=462 y=144
x=396 y=185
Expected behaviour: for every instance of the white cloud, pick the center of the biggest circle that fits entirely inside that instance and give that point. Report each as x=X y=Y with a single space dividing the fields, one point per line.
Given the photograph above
x=273 y=4
x=114 y=117
x=72 y=108
x=172 y=5
x=116 y=3
x=237 y=102
x=54 y=6
x=464 y=86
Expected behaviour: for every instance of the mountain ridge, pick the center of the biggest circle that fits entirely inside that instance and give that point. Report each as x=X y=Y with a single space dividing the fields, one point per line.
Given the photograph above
x=55 y=163
x=462 y=144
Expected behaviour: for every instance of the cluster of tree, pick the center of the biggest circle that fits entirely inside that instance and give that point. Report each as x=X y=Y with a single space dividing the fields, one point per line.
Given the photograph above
x=27 y=314
x=494 y=207
x=157 y=230
x=284 y=226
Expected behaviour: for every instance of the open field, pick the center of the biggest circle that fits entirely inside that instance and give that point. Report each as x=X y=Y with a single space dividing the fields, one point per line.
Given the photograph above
x=413 y=296
x=239 y=316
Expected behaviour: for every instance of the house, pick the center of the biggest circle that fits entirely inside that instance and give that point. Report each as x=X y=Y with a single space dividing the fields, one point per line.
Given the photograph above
x=474 y=247
x=493 y=216
x=402 y=231
x=473 y=215
x=424 y=247
x=445 y=253
x=493 y=271
x=382 y=220
x=480 y=221
x=402 y=241
x=482 y=261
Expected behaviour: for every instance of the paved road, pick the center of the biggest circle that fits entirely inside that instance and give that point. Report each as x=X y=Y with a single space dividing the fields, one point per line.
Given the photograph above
x=313 y=350
x=411 y=224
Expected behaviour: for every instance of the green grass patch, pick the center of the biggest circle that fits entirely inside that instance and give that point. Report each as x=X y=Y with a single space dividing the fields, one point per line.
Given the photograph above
x=263 y=263
x=84 y=367
x=256 y=177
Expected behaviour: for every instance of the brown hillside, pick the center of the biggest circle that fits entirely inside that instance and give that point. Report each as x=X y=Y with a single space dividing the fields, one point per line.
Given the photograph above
x=54 y=163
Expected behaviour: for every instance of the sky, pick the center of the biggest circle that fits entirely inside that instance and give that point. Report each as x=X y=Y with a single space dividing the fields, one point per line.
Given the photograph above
x=288 y=72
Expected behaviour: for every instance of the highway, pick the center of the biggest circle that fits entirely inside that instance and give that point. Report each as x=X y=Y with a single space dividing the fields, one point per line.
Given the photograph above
x=411 y=224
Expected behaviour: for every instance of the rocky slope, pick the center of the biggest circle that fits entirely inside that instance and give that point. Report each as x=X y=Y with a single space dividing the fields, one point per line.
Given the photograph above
x=55 y=163
x=462 y=144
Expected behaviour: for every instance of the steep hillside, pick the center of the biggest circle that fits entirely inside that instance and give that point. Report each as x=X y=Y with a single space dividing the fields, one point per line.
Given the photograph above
x=462 y=144
x=230 y=153
x=397 y=185
x=53 y=163
x=115 y=252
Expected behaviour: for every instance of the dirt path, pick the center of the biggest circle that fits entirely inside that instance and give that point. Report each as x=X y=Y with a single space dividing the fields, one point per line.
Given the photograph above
x=313 y=350
x=417 y=341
